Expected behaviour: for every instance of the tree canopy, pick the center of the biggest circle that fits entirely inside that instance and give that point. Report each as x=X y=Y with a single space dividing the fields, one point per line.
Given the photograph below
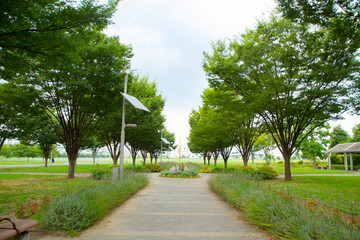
x=292 y=76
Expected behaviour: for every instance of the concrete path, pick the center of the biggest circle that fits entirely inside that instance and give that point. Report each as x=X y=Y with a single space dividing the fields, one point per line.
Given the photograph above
x=171 y=209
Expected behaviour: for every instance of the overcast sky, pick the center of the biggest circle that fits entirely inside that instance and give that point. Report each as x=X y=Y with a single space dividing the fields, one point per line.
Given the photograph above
x=168 y=39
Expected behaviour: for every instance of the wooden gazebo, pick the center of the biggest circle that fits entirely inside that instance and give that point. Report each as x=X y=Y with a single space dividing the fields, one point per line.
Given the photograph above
x=345 y=148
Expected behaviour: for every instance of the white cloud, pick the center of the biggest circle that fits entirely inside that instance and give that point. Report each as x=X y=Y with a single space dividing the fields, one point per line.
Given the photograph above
x=168 y=39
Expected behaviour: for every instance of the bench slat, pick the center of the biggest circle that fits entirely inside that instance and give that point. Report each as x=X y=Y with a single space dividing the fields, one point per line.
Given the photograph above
x=22 y=225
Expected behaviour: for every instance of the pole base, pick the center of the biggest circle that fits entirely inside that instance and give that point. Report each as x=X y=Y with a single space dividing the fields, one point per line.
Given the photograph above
x=115 y=175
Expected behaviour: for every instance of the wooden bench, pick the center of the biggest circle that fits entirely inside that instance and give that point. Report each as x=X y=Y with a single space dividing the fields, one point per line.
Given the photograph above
x=16 y=229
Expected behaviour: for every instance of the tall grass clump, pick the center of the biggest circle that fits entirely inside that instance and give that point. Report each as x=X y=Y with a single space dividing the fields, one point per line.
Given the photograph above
x=166 y=165
x=278 y=213
x=90 y=201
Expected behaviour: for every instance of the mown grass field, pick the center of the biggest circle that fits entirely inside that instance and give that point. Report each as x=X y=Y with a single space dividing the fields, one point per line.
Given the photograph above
x=341 y=192
x=18 y=188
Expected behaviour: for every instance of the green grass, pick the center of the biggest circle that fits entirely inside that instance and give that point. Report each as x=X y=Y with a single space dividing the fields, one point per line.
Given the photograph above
x=342 y=192
x=308 y=170
x=15 y=189
x=280 y=214
x=56 y=169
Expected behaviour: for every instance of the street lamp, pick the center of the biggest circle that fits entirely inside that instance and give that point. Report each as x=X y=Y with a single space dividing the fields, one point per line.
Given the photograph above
x=161 y=140
x=137 y=104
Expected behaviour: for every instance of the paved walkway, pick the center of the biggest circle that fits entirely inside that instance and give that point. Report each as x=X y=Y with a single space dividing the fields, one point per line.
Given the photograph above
x=171 y=209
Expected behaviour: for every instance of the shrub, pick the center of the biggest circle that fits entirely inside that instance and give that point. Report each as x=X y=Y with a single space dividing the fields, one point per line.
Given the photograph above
x=267 y=172
x=248 y=170
x=205 y=170
x=175 y=173
x=301 y=162
x=151 y=167
x=217 y=170
x=137 y=168
x=89 y=202
x=192 y=165
x=98 y=174
x=166 y=165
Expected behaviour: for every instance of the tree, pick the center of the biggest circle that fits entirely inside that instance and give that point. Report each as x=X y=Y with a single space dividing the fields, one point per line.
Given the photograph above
x=293 y=77
x=315 y=144
x=29 y=28
x=338 y=135
x=340 y=17
x=148 y=123
x=266 y=143
x=15 y=111
x=93 y=143
x=76 y=89
x=5 y=151
x=356 y=133
x=42 y=135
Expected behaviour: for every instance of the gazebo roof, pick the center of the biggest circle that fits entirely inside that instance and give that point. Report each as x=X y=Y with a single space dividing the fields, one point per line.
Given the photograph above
x=346 y=148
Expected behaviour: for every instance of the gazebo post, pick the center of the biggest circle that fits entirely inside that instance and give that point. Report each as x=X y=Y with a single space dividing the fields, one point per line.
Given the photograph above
x=345 y=161
x=351 y=162
x=329 y=161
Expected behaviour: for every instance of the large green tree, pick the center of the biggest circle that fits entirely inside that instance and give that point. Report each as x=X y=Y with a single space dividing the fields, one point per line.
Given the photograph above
x=16 y=111
x=292 y=76
x=77 y=86
x=29 y=28
x=338 y=135
x=148 y=123
x=356 y=133
x=315 y=145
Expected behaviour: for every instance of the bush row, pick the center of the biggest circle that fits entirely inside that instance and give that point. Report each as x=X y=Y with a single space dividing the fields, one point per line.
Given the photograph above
x=184 y=173
x=278 y=214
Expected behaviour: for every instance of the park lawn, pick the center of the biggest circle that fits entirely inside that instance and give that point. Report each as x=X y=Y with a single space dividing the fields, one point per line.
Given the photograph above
x=17 y=188
x=56 y=169
x=308 y=170
x=341 y=192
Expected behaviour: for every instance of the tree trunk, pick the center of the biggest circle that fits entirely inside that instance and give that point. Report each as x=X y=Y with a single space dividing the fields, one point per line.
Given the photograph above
x=245 y=158
x=72 y=157
x=204 y=157
x=208 y=155
x=151 y=158
x=144 y=155
x=46 y=152
x=314 y=160
x=215 y=155
x=71 y=172
x=287 y=166
x=2 y=141
x=93 y=155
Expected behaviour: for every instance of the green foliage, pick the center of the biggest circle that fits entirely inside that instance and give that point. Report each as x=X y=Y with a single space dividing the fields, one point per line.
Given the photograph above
x=78 y=209
x=166 y=165
x=181 y=174
x=100 y=174
x=277 y=212
x=338 y=135
x=136 y=168
x=267 y=172
x=194 y=166
x=151 y=167
x=266 y=72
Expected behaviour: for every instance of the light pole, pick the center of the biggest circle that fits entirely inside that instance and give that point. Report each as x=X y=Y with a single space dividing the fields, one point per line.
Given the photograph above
x=161 y=140
x=122 y=137
x=137 y=104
